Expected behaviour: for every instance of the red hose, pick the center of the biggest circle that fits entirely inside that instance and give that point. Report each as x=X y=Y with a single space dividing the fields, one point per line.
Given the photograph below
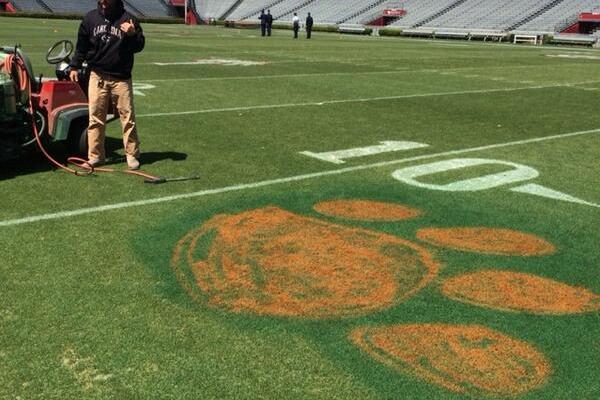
x=82 y=166
x=23 y=78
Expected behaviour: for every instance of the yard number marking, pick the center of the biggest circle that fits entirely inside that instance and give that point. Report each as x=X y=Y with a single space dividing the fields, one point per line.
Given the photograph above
x=518 y=173
x=338 y=157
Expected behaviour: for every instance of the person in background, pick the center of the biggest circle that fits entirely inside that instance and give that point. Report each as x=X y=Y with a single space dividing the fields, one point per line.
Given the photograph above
x=296 y=25
x=263 y=23
x=107 y=39
x=269 y=22
x=309 y=25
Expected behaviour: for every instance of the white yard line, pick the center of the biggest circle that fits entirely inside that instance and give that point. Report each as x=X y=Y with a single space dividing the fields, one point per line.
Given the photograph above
x=358 y=100
x=399 y=70
x=271 y=182
x=258 y=77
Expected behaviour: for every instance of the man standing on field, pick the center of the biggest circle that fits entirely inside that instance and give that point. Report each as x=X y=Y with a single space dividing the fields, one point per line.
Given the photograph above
x=309 y=25
x=269 y=22
x=107 y=39
x=296 y=25
x=263 y=23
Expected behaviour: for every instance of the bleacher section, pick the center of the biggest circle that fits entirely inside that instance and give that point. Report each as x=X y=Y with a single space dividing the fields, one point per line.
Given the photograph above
x=146 y=8
x=418 y=10
x=150 y=8
x=439 y=18
x=278 y=9
x=28 y=5
x=561 y=16
x=214 y=8
x=443 y=12
x=492 y=15
x=369 y=13
x=329 y=11
x=485 y=14
x=71 y=6
x=250 y=9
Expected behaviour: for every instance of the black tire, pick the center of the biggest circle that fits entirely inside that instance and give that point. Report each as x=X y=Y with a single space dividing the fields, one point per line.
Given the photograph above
x=77 y=140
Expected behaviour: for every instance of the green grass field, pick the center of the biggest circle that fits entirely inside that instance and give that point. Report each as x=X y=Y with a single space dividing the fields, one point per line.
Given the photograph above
x=94 y=304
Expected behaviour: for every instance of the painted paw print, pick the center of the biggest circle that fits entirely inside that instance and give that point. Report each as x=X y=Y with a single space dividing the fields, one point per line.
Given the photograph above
x=273 y=262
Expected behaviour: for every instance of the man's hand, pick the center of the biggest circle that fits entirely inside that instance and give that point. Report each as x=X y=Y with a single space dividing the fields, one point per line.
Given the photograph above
x=128 y=27
x=74 y=75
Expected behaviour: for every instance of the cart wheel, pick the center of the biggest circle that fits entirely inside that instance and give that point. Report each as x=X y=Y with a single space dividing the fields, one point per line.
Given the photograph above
x=78 y=141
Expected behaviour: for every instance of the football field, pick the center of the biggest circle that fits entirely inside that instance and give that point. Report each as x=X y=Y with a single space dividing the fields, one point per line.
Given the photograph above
x=374 y=218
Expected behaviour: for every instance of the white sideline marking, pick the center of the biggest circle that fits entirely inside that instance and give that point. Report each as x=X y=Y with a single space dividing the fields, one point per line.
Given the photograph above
x=228 y=78
x=214 y=61
x=201 y=193
x=363 y=100
x=450 y=44
x=574 y=56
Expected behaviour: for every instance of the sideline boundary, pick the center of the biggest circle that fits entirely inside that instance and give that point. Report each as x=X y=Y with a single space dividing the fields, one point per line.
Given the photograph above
x=270 y=182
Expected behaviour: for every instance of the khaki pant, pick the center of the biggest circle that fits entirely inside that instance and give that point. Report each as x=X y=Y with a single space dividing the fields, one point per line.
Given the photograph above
x=104 y=91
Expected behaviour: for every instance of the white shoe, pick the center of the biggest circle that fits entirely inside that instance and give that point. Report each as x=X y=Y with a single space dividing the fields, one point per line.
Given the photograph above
x=133 y=163
x=95 y=162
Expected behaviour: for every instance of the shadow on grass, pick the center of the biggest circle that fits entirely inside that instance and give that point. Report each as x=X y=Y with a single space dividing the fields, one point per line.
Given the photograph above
x=33 y=161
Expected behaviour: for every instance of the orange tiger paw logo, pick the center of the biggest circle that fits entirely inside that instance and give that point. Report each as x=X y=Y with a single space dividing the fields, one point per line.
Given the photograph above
x=273 y=262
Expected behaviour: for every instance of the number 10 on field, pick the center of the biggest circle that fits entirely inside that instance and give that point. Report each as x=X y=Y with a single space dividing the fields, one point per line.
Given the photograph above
x=516 y=174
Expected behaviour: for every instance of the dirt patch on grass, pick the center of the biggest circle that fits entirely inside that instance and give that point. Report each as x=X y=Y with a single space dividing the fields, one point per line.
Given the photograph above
x=274 y=262
x=469 y=359
x=83 y=369
x=487 y=240
x=366 y=210
x=514 y=291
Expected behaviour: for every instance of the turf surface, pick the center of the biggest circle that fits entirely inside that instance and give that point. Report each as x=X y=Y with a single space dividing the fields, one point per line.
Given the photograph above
x=91 y=307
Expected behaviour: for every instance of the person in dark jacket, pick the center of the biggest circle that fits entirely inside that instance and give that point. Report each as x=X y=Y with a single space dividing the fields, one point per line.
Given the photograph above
x=263 y=23
x=107 y=39
x=309 y=25
x=269 y=22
